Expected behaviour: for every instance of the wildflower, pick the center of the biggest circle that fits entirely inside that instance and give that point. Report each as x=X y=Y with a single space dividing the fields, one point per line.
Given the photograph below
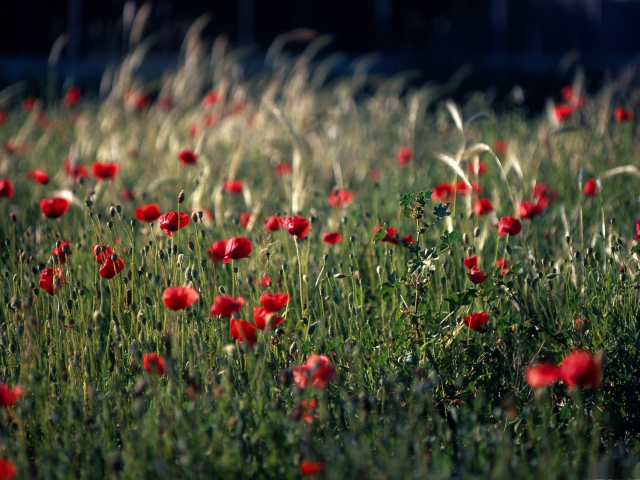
x=581 y=324
x=404 y=156
x=8 y=469
x=501 y=146
x=562 y=112
x=148 y=213
x=529 y=210
x=340 y=197
x=38 y=175
x=245 y=218
x=331 y=237
x=621 y=115
x=165 y=102
x=475 y=321
x=110 y=268
x=542 y=375
x=209 y=120
x=408 y=239
x=210 y=99
x=311 y=469
x=470 y=262
x=375 y=175
x=104 y=170
x=509 y=225
x=243 y=332
x=581 y=369
x=296 y=226
x=72 y=97
x=54 y=207
x=225 y=305
x=308 y=410
x=62 y=251
x=283 y=168
x=479 y=168
x=9 y=396
x=591 y=187
x=154 y=363
x=179 y=298
x=232 y=186
x=503 y=264
x=317 y=372
x=637 y=227
x=273 y=223
x=477 y=276
x=390 y=236
x=187 y=157
x=74 y=169
x=265 y=281
x=274 y=302
x=216 y=250
x=102 y=252
x=51 y=280
x=567 y=93
x=237 y=248
x=265 y=319
x=28 y=104
x=194 y=130
x=482 y=206
x=544 y=195
x=3 y=116
x=6 y=188
x=173 y=221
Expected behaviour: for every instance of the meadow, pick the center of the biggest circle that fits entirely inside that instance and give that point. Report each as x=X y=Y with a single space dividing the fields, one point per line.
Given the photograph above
x=290 y=275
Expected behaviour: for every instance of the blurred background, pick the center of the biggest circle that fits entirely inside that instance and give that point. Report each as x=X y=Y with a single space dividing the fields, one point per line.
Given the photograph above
x=532 y=43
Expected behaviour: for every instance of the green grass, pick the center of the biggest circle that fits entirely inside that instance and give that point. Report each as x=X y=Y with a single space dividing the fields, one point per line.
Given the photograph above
x=417 y=394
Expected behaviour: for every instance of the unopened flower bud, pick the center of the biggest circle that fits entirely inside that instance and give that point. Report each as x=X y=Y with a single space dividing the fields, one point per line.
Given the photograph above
x=194 y=217
x=476 y=232
x=181 y=196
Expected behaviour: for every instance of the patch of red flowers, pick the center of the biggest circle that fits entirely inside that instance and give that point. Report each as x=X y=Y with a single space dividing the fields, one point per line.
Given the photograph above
x=390 y=236
x=470 y=262
x=621 y=115
x=110 y=268
x=154 y=363
x=310 y=468
x=477 y=276
x=501 y=146
x=562 y=112
x=283 y=168
x=245 y=218
x=503 y=264
x=60 y=252
x=482 y=206
x=102 y=252
x=232 y=186
x=210 y=99
x=6 y=188
x=296 y=226
x=236 y=248
x=316 y=372
x=591 y=188
x=74 y=169
x=104 y=170
x=217 y=250
x=171 y=222
x=179 y=298
x=443 y=191
x=9 y=396
x=8 y=470
x=340 y=197
x=28 y=104
x=477 y=168
x=187 y=157
x=264 y=319
x=404 y=156
x=332 y=237
x=510 y=226
x=38 y=175
x=72 y=97
x=637 y=227
x=225 y=305
x=148 y=213
x=51 y=280
x=54 y=207
x=529 y=210
x=273 y=223
x=580 y=368
x=244 y=332
x=475 y=321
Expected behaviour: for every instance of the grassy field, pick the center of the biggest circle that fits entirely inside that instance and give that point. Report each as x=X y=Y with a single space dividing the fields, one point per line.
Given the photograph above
x=489 y=329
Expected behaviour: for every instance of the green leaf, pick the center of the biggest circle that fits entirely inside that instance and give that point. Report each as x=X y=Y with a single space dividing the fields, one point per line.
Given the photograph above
x=441 y=210
x=636 y=248
x=450 y=238
x=386 y=290
x=406 y=200
x=336 y=343
x=383 y=358
x=515 y=268
x=380 y=234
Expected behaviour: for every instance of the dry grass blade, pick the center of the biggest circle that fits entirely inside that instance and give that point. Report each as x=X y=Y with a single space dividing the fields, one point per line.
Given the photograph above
x=455 y=114
x=138 y=24
x=300 y=34
x=56 y=50
x=455 y=166
x=11 y=91
x=630 y=169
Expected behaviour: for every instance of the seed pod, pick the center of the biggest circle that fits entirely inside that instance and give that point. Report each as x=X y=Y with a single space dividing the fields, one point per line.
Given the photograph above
x=13 y=217
x=181 y=196
x=293 y=349
x=141 y=318
x=194 y=217
x=476 y=232
x=378 y=269
x=112 y=211
x=190 y=246
x=339 y=275
x=230 y=349
x=465 y=238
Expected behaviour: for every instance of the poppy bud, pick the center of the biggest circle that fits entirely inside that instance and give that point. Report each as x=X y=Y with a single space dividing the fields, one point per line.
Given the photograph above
x=465 y=238
x=141 y=318
x=180 y=259
x=190 y=245
x=13 y=217
x=88 y=203
x=378 y=269
x=181 y=197
x=119 y=208
x=305 y=279
x=112 y=211
x=325 y=257
x=194 y=217
x=476 y=232
x=568 y=239
x=293 y=349
x=508 y=249
x=109 y=224
x=221 y=289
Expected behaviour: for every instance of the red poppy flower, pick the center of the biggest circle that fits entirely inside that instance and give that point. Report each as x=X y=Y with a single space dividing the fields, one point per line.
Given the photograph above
x=470 y=262
x=111 y=268
x=339 y=197
x=477 y=276
x=243 y=332
x=443 y=191
x=102 y=252
x=265 y=281
x=283 y=168
x=637 y=227
x=216 y=250
x=296 y=226
x=562 y=112
x=8 y=470
x=264 y=319
x=482 y=206
x=72 y=97
x=187 y=157
x=38 y=175
x=529 y=210
x=390 y=236
x=317 y=372
x=462 y=188
x=148 y=213
x=210 y=120
x=60 y=252
x=6 y=188
x=274 y=302
x=479 y=168
x=503 y=264
x=581 y=324
x=245 y=218
x=307 y=410
x=501 y=147
x=237 y=248
x=171 y=222
x=542 y=192
x=622 y=115
x=28 y=104
x=179 y=298
x=509 y=225
x=225 y=305
x=9 y=396
x=404 y=156
x=104 y=170
x=310 y=469
x=210 y=99
x=591 y=188
x=375 y=175
x=165 y=102
x=140 y=101
x=232 y=186
x=74 y=169
x=408 y=239
x=581 y=369
x=48 y=280
x=566 y=93
x=194 y=130
x=475 y=321
x=331 y=237
x=273 y=223
x=154 y=363
x=542 y=375
x=3 y=116
x=54 y=207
